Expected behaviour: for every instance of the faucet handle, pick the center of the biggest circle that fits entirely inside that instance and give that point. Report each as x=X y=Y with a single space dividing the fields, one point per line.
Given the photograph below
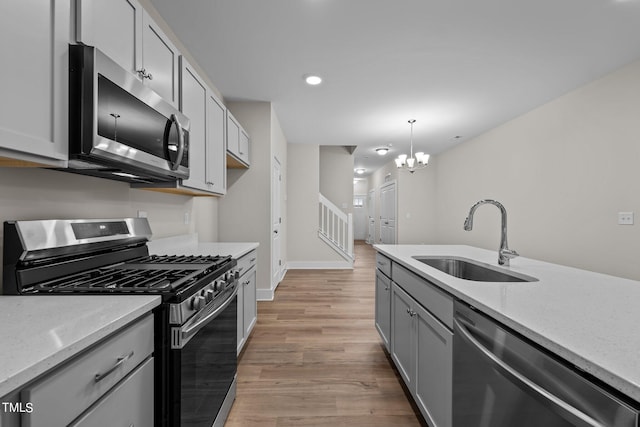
x=505 y=255
x=509 y=253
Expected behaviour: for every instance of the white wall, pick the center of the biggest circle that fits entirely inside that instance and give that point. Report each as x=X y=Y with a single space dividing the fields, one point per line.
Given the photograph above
x=336 y=176
x=245 y=212
x=563 y=172
x=305 y=249
x=29 y=193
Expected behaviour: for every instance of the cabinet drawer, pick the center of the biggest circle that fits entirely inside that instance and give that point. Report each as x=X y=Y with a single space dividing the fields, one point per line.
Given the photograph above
x=130 y=403
x=67 y=392
x=246 y=262
x=383 y=264
x=428 y=295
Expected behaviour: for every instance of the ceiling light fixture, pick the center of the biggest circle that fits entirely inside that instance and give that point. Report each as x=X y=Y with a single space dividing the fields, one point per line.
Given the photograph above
x=313 y=80
x=412 y=163
x=360 y=171
x=382 y=151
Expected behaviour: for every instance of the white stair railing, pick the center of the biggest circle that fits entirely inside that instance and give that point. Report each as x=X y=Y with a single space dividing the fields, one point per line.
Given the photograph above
x=335 y=228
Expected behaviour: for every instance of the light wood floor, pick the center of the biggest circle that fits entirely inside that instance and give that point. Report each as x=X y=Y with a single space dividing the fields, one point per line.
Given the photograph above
x=315 y=357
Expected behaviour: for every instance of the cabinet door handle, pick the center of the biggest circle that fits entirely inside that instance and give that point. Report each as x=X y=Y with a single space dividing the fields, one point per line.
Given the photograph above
x=246 y=283
x=144 y=75
x=120 y=362
x=252 y=259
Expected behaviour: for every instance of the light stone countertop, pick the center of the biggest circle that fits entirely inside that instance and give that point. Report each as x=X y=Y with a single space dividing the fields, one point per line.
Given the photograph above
x=189 y=245
x=591 y=320
x=39 y=332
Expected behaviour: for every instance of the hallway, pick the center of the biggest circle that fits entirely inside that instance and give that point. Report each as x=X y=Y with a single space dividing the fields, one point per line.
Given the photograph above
x=315 y=357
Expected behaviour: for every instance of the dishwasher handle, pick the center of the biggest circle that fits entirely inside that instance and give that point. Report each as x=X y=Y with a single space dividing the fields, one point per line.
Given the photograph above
x=574 y=415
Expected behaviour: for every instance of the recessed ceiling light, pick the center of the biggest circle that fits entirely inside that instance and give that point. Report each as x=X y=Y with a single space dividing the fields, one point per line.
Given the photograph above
x=360 y=171
x=313 y=80
x=382 y=151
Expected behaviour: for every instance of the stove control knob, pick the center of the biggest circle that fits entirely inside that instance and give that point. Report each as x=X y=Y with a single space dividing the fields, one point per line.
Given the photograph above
x=197 y=302
x=218 y=285
x=208 y=295
x=236 y=274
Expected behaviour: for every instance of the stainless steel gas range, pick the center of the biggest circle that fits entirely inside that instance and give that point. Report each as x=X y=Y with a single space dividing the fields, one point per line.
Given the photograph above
x=196 y=324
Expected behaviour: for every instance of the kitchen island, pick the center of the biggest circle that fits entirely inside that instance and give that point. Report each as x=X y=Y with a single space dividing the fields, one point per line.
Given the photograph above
x=590 y=320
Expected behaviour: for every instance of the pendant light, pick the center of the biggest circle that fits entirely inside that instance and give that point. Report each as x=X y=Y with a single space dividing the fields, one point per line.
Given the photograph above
x=412 y=163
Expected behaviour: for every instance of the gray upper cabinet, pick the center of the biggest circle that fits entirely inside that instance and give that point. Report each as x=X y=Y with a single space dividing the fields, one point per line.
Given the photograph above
x=159 y=61
x=34 y=82
x=206 y=152
x=216 y=173
x=127 y=34
x=238 y=144
x=114 y=27
x=193 y=103
x=207 y=115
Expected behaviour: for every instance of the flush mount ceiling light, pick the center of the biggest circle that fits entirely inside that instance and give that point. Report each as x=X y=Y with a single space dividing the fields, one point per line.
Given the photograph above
x=312 y=80
x=382 y=151
x=360 y=171
x=412 y=163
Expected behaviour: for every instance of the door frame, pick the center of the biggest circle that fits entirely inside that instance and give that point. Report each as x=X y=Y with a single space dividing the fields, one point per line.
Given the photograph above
x=277 y=270
x=392 y=183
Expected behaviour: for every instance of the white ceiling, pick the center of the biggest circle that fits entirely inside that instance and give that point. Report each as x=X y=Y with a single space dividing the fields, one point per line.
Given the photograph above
x=459 y=67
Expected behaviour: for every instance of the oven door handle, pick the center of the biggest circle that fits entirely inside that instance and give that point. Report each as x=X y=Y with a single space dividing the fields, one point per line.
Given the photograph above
x=576 y=416
x=181 y=336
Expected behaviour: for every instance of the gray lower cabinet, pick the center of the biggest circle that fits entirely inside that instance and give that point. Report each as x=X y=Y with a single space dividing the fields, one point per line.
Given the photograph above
x=434 y=363
x=131 y=400
x=422 y=349
x=415 y=319
x=383 y=307
x=247 y=297
x=110 y=384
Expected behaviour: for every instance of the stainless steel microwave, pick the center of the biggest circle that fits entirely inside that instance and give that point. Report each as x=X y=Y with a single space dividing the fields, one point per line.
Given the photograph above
x=118 y=127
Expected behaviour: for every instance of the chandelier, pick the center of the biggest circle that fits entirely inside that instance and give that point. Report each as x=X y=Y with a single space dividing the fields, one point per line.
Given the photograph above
x=412 y=163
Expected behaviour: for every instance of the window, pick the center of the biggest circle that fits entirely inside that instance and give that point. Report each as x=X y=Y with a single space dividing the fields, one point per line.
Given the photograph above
x=358 y=201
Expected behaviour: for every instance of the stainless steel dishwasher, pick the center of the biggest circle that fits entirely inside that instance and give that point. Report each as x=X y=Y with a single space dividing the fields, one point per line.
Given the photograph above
x=501 y=380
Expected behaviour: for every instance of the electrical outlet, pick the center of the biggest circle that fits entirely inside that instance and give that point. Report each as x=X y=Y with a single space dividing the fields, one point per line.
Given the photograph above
x=625 y=218
x=187 y=218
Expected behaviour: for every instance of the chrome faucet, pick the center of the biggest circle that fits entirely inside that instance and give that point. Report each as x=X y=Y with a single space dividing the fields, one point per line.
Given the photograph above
x=504 y=253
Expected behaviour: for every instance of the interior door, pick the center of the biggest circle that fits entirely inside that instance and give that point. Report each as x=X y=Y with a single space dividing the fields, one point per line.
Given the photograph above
x=371 y=217
x=276 y=223
x=388 y=213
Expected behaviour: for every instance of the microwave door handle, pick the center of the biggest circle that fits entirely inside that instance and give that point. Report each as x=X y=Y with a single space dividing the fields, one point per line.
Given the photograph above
x=578 y=418
x=178 y=161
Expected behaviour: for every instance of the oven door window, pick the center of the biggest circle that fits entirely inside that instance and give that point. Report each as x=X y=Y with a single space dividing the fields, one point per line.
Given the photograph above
x=207 y=366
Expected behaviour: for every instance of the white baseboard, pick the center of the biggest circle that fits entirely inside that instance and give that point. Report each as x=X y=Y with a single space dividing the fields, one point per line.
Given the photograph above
x=269 y=294
x=319 y=265
x=265 y=294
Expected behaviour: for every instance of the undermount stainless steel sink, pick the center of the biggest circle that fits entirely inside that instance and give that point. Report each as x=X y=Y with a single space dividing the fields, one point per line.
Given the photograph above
x=467 y=269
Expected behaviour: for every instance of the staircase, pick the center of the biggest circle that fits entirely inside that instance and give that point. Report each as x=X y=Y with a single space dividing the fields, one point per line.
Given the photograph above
x=335 y=228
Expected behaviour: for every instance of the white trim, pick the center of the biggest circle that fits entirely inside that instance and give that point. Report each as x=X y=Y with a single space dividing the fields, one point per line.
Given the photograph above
x=265 y=294
x=269 y=294
x=319 y=265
